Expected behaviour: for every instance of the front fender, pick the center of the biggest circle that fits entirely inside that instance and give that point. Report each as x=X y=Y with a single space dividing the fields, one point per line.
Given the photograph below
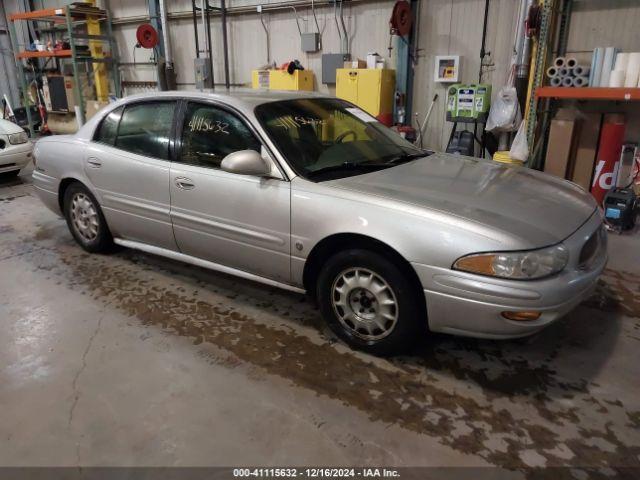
x=418 y=235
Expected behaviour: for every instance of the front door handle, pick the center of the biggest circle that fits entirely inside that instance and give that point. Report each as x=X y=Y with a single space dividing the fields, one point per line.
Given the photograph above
x=184 y=183
x=94 y=162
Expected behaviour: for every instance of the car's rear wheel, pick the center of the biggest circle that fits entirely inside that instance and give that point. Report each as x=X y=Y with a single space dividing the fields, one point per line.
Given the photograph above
x=85 y=219
x=370 y=303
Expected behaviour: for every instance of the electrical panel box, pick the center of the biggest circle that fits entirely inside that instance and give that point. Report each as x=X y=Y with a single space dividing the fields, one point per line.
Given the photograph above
x=202 y=67
x=310 y=42
x=371 y=89
x=283 y=80
x=468 y=103
x=331 y=62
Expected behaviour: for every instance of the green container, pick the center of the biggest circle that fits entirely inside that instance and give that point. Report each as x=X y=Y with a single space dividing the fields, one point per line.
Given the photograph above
x=468 y=102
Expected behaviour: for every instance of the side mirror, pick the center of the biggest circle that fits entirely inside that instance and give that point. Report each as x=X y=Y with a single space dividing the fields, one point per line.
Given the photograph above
x=245 y=162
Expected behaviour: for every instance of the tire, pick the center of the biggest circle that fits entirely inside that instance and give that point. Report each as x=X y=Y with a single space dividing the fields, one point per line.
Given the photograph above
x=85 y=219
x=383 y=316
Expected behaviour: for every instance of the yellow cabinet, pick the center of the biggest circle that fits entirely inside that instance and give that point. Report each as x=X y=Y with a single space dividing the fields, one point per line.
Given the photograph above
x=369 y=88
x=260 y=78
x=281 y=80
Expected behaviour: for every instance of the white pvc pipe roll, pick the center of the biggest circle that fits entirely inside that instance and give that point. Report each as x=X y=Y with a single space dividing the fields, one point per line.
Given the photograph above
x=559 y=62
x=555 y=82
x=581 y=71
x=622 y=60
x=564 y=72
x=633 y=70
x=582 y=81
x=616 y=80
x=571 y=62
x=552 y=72
x=596 y=67
x=607 y=66
x=567 y=82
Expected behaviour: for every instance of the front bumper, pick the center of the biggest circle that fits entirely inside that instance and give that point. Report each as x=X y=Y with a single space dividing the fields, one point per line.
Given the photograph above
x=15 y=157
x=471 y=305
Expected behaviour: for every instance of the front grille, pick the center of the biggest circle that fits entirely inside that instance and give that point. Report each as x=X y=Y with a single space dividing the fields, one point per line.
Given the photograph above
x=595 y=245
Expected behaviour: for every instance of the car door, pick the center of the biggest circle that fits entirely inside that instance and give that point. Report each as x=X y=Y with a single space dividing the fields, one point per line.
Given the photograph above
x=240 y=221
x=128 y=164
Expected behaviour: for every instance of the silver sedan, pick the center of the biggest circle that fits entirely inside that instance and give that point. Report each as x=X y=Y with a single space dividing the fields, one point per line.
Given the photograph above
x=311 y=194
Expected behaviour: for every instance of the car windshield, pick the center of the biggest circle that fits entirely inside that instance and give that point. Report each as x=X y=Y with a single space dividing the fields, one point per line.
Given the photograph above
x=328 y=138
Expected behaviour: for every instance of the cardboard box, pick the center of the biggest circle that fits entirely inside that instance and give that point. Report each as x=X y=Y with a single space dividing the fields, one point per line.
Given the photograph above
x=372 y=58
x=561 y=146
x=581 y=169
x=355 y=64
x=85 y=90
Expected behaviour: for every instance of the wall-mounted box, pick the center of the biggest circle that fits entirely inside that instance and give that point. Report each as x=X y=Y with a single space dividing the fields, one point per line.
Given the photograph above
x=310 y=42
x=447 y=68
x=283 y=80
x=202 y=69
x=330 y=63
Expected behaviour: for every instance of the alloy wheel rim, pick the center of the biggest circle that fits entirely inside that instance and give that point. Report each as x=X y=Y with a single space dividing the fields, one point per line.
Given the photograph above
x=84 y=217
x=364 y=303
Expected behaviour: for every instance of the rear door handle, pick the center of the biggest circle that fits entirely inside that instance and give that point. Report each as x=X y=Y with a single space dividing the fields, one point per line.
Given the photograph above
x=94 y=162
x=184 y=183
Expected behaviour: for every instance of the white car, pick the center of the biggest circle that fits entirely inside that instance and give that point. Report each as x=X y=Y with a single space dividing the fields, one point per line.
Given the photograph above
x=15 y=148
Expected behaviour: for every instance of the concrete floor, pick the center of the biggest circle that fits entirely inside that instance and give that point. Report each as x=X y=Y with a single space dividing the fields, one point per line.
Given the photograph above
x=130 y=359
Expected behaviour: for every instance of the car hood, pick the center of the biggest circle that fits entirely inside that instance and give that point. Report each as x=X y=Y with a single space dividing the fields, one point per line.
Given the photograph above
x=534 y=208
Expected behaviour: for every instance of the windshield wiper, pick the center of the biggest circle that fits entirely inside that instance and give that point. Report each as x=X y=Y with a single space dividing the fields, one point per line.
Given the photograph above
x=406 y=157
x=346 y=166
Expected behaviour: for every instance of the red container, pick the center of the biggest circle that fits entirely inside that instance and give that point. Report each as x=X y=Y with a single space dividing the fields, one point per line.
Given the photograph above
x=608 y=158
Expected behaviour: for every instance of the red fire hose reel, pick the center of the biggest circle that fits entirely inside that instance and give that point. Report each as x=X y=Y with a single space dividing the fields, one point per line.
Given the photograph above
x=147 y=36
x=401 y=18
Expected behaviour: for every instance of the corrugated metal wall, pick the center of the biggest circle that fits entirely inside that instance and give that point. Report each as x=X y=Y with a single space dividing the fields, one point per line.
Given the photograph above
x=446 y=27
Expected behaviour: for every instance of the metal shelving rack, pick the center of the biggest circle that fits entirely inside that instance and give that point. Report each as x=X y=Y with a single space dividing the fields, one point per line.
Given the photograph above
x=67 y=20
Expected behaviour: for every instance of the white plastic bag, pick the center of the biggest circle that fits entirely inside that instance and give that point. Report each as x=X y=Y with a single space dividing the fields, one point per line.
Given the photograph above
x=520 y=146
x=504 y=115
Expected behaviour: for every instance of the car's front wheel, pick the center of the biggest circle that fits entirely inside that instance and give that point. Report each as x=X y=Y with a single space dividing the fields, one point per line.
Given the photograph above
x=370 y=303
x=85 y=219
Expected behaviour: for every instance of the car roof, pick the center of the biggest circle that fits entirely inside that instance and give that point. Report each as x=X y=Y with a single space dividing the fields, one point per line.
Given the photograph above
x=243 y=98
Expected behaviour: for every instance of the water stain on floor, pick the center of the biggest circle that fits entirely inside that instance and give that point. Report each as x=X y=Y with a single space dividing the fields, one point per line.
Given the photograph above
x=618 y=291
x=406 y=391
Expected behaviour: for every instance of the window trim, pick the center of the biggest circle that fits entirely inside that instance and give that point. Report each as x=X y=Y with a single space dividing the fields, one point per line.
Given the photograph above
x=179 y=126
x=96 y=132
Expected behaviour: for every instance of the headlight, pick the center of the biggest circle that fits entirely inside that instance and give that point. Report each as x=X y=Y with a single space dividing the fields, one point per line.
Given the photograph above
x=527 y=265
x=18 y=138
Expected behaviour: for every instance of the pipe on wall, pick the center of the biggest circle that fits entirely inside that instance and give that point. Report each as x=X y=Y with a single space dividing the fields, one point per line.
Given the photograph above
x=168 y=52
x=239 y=10
x=169 y=72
